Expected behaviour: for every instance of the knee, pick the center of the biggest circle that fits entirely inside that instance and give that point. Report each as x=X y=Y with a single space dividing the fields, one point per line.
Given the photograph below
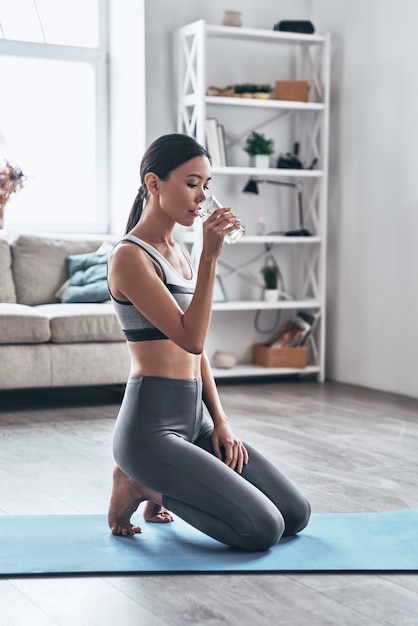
x=297 y=517
x=269 y=526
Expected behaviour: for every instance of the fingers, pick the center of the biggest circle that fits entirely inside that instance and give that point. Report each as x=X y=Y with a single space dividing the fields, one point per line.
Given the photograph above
x=222 y=221
x=217 y=448
x=236 y=456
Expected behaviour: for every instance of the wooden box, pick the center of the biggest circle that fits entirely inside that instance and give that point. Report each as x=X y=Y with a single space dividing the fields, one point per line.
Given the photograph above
x=295 y=90
x=279 y=357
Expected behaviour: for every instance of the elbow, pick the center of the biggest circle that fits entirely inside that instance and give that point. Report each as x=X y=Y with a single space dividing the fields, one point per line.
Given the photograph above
x=191 y=341
x=194 y=348
x=189 y=344
x=192 y=344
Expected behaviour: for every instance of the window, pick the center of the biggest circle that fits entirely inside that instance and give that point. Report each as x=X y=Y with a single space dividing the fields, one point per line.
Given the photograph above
x=64 y=22
x=53 y=112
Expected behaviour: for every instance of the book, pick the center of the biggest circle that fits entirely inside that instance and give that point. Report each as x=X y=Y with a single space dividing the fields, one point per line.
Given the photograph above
x=215 y=141
x=221 y=142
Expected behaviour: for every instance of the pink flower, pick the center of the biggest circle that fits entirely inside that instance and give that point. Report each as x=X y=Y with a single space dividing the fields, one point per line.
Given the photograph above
x=12 y=180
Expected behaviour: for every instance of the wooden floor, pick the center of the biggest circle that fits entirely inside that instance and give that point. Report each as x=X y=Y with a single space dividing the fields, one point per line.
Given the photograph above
x=348 y=448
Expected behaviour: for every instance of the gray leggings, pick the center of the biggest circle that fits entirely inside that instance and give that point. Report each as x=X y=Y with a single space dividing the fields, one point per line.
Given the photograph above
x=163 y=439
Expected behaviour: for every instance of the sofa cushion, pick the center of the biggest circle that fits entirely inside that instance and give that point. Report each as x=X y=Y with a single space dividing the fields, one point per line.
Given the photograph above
x=92 y=364
x=22 y=324
x=25 y=365
x=7 y=288
x=40 y=263
x=82 y=322
x=88 y=278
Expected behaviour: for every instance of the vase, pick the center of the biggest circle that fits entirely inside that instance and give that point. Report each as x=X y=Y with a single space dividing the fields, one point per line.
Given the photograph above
x=224 y=360
x=271 y=295
x=232 y=18
x=260 y=160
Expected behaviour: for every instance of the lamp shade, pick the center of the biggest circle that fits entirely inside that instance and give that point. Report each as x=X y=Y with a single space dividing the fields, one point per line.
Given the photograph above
x=251 y=186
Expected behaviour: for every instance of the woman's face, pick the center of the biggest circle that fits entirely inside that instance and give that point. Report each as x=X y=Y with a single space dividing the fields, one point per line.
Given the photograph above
x=185 y=188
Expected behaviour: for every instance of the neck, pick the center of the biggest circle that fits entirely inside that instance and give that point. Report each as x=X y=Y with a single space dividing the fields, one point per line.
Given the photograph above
x=154 y=230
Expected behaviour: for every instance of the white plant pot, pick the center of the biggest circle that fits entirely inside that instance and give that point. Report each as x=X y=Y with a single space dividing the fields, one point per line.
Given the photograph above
x=271 y=295
x=260 y=160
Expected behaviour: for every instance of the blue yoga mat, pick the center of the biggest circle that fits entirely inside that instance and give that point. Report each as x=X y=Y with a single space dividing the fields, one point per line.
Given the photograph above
x=81 y=544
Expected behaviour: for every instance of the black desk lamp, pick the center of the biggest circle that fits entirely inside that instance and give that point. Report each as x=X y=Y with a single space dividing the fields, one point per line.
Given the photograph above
x=252 y=187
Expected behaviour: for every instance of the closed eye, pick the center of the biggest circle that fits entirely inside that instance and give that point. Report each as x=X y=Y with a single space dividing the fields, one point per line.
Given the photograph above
x=192 y=186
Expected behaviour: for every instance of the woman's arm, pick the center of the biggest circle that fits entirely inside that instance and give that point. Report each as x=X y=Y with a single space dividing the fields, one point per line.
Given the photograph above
x=234 y=453
x=134 y=276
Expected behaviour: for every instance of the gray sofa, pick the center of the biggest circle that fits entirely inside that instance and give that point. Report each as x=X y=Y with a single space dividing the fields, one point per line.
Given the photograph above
x=47 y=342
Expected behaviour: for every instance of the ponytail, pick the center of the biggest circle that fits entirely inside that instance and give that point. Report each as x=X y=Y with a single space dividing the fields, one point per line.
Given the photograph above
x=136 y=210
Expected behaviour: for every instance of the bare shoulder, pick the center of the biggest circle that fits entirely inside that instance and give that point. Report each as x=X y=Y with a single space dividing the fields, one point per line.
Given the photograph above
x=128 y=264
x=126 y=253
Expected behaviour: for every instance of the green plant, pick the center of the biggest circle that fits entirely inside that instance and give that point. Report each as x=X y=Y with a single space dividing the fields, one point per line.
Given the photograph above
x=271 y=275
x=264 y=88
x=244 y=88
x=252 y=88
x=257 y=143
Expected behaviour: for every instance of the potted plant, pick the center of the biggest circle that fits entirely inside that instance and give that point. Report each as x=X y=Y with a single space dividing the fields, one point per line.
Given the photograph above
x=271 y=275
x=244 y=90
x=258 y=145
x=252 y=90
x=263 y=91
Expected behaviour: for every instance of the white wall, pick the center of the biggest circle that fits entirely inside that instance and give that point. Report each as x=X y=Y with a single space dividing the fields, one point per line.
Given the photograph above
x=373 y=228
x=127 y=107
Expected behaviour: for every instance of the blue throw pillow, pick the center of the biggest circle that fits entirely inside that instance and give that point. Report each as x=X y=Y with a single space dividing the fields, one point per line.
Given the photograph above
x=87 y=278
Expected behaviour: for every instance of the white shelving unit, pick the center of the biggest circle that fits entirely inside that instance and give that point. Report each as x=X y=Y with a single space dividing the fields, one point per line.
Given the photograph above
x=308 y=123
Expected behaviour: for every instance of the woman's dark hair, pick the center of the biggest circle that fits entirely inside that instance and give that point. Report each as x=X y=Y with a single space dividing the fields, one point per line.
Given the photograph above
x=163 y=156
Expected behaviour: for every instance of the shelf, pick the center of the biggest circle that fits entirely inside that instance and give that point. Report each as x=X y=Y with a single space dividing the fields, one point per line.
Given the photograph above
x=248 y=370
x=261 y=305
x=190 y=238
x=258 y=103
x=269 y=172
x=258 y=34
x=306 y=57
x=279 y=239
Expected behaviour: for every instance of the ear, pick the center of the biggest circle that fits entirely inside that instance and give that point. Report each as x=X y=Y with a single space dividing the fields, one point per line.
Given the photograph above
x=151 y=180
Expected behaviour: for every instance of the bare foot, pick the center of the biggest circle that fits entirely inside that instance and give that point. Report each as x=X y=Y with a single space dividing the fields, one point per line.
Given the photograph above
x=124 y=501
x=158 y=514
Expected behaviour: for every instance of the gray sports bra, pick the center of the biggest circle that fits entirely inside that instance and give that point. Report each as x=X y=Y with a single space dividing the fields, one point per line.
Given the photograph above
x=135 y=325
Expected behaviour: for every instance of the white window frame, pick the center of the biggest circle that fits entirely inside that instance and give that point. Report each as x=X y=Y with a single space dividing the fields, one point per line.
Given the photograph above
x=98 y=59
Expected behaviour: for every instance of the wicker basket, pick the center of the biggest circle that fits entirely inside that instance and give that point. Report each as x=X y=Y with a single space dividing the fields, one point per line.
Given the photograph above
x=279 y=357
x=295 y=90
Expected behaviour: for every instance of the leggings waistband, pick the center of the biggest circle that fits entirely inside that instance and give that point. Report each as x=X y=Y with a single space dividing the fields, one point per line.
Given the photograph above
x=168 y=382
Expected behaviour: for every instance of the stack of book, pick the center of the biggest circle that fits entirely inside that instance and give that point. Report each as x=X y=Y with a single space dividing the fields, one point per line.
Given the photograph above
x=215 y=141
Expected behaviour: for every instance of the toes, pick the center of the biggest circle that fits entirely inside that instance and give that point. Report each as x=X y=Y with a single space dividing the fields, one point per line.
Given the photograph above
x=126 y=530
x=136 y=529
x=161 y=516
x=166 y=515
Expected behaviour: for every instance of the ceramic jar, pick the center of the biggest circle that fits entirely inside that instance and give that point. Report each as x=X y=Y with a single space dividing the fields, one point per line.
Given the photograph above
x=232 y=18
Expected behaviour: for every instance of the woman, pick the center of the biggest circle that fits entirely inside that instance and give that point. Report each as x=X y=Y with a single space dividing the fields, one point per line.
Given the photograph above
x=166 y=450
